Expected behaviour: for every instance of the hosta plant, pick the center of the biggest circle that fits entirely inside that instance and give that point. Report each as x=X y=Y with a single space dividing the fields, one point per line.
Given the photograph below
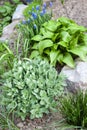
x=74 y=109
x=60 y=40
x=31 y=87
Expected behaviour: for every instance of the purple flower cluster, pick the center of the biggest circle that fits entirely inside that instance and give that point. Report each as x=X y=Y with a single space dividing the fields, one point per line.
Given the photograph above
x=34 y=14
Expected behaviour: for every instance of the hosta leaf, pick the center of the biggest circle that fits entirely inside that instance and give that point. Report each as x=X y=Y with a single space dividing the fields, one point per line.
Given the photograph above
x=80 y=51
x=37 y=38
x=67 y=59
x=35 y=46
x=73 y=42
x=55 y=46
x=76 y=28
x=34 y=54
x=62 y=43
x=60 y=57
x=53 y=57
x=65 y=21
x=55 y=37
x=51 y=25
x=65 y=36
x=44 y=44
x=42 y=31
x=48 y=34
x=47 y=51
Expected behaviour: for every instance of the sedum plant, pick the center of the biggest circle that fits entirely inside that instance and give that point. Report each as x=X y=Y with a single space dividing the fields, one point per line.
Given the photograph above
x=60 y=40
x=31 y=87
x=74 y=109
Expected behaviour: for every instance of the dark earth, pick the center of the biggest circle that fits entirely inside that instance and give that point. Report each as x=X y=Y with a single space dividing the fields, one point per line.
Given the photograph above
x=73 y=9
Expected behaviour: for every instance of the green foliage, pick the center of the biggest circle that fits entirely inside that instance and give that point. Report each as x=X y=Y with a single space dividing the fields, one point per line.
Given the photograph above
x=6 y=58
x=31 y=26
x=62 y=1
x=30 y=7
x=6 y=12
x=5 y=120
x=74 y=108
x=30 y=88
x=60 y=40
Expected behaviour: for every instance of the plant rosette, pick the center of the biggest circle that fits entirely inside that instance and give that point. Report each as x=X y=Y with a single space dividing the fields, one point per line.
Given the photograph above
x=62 y=41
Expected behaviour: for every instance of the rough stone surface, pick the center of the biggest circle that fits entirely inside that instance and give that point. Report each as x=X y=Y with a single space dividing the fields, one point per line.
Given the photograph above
x=73 y=9
x=18 y=14
x=9 y=32
x=77 y=76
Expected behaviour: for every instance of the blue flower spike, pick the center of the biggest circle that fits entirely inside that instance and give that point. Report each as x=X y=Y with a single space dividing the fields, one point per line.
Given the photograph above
x=51 y=4
x=28 y=1
x=35 y=26
x=38 y=7
x=42 y=12
x=33 y=8
x=28 y=21
x=34 y=15
x=24 y=22
x=44 y=5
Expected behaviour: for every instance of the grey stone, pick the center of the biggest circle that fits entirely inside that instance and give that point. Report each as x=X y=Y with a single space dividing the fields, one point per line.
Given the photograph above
x=77 y=77
x=18 y=14
x=20 y=125
x=73 y=9
x=9 y=32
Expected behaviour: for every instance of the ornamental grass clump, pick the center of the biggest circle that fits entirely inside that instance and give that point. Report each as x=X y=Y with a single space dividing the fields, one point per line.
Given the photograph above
x=31 y=26
x=60 y=41
x=74 y=109
x=31 y=87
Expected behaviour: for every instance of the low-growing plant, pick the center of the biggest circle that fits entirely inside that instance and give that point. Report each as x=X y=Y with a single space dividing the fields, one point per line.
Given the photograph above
x=6 y=12
x=31 y=87
x=30 y=27
x=60 y=40
x=6 y=58
x=74 y=109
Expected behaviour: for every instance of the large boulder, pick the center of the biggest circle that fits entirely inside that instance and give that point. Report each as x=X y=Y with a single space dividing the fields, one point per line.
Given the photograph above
x=77 y=77
x=73 y=9
x=18 y=14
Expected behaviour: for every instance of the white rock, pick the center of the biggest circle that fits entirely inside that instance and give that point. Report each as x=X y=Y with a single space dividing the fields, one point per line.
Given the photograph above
x=18 y=14
x=78 y=75
x=20 y=125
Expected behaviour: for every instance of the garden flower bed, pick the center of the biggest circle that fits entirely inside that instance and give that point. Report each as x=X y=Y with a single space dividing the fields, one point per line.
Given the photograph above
x=33 y=89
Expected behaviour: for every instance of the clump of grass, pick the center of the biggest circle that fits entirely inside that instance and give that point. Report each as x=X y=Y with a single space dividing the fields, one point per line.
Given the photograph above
x=74 y=109
x=5 y=121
